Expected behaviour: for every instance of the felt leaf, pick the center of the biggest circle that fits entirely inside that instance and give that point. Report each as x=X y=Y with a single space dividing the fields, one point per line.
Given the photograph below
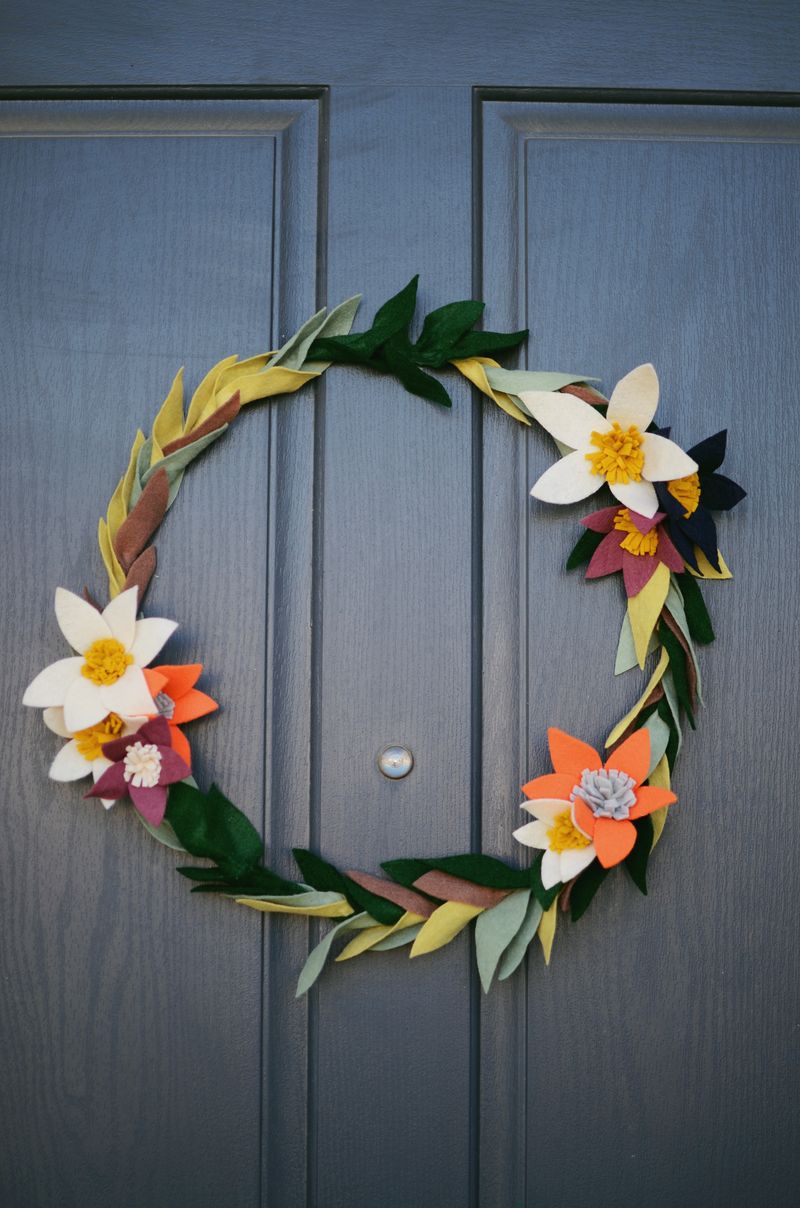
x=332 y=910
x=397 y=939
x=374 y=935
x=381 y=909
x=391 y=318
x=292 y=354
x=659 y=737
x=443 y=926
x=175 y=463
x=486 y=343
x=547 y=930
x=405 y=872
x=636 y=861
x=583 y=549
x=141 y=572
x=516 y=381
x=164 y=833
x=515 y=952
x=697 y=617
x=474 y=369
x=442 y=328
x=704 y=568
x=660 y=777
x=168 y=424
x=644 y=610
x=222 y=415
x=545 y=897
x=143 y=462
x=210 y=826
x=627 y=658
x=674 y=607
x=315 y=962
x=204 y=394
x=494 y=931
x=319 y=872
x=448 y=888
x=116 y=575
x=585 y=888
x=254 y=387
x=632 y=714
x=677 y=666
x=415 y=381
x=411 y=902
x=483 y=870
x=142 y=521
x=672 y=715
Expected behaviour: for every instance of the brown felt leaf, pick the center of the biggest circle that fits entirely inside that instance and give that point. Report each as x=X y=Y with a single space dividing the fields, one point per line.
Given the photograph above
x=586 y=393
x=654 y=697
x=142 y=572
x=225 y=414
x=410 y=901
x=138 y=527
x=448 y=888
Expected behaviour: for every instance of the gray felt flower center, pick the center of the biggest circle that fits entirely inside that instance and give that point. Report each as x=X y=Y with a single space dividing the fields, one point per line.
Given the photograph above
x=165 y=705
x=607 y=792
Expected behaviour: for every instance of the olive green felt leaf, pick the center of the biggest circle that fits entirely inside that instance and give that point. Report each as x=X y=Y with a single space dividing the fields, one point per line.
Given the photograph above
x=583 y=549
x=515 y=381
x=515 y=952
x=697 y=617
x=319 y=955
x=494 y=931
x=659 y=738
x=164 y=833
x=585 y=888
x=398 y=939
x=210 y=826
x=176 y=463
x=636 y=861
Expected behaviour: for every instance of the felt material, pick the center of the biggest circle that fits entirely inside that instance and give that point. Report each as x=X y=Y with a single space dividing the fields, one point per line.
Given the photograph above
x=405 y=872
x=669 y=710
x=547 y=929
x=333 y=910
x=705 y=570
x=660 y=778
x=659 y=737
x=224 y=415
x=141 y=523
x=518 y=381
x=678 y=670
x=203 y=396
x=444 y=925
x=636 y=862
x=690 y=667
x=176 y=463
x=293 y=354
x=141 y=572
x=627 y=658
x=585 y=888
x=397 y=939
x=494 y=931
x=697 y=616
x=116 y=575
x=315 y=962
x=716 y=493
x=168 y=424
x=150 y=801
x=515 y=952
x=454 y=889
x=544 y=896
x=371 y=936
x=143 y=463
x=644 y=610
x=583 y=549
x=255 y=387
x=569 y=755
x=474 y=369
x=382 y=910
x=163 y=834
x=319 y=872
x=406 y=898
x=632 y=756
x=255 y=882
x=211 y=827
x=674 y=608
x=557 y=785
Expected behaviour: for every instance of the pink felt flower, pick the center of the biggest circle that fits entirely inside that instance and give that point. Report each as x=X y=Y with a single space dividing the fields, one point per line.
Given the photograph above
x=634 y=544
x=142 y=765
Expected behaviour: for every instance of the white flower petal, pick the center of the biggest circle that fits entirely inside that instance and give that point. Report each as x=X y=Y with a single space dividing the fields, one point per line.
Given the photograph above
x=129 y=696
x=54 y=720
x=120 y=616
x=51 y=685
x=663 y=459
x=638 y=496
x=568 y=480
x=83 y=704
x=80 y=623
x=574 y=860
x=548 y=808
x=151 y=634
x=634 y=398
x=551 y=869
x=69 y=764
x=98 y=767
x=532 y=834
x=568 y=419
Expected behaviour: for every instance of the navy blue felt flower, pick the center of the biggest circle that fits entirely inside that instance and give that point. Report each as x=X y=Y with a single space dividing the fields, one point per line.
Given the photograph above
x=689 y=502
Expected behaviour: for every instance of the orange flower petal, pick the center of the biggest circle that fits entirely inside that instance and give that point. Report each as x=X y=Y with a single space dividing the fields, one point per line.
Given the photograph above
x=584 y=818
x=570 y=756
x=180 y=744
x=156 y=682
x=632 y=756
x=191 y=705
x=613 y=840
x=555 y=785
x=649 y=798
x=180 y=679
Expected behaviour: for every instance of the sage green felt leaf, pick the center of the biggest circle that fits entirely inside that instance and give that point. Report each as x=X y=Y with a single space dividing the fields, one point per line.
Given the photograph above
x=544 y=896
x=338 y=323
x=176 y=463
x=319 y=873
x=583 y=549
x=515 y=952
x=515 y=381
x=494 y=931
x=210 y=826
x=668 y=712
x=398 y=939
x=142 y=466
x=307 y=899
x=164 y=833
x=585 y=888
x=659 y=737
x=636 y=861
x=442 y=327
x=385 y=912
x=674 y=603
x=359 y=349
x=627 y=657
x=405 y=872
x=697 y=616
x=319 y=955
x=677 y=667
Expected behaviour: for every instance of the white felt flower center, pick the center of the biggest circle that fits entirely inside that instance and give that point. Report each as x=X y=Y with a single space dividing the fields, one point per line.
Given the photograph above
x=143 y=765
x=607 y=792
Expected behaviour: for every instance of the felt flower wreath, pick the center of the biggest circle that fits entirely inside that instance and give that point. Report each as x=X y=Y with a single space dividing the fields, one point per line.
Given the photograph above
x=122 y=718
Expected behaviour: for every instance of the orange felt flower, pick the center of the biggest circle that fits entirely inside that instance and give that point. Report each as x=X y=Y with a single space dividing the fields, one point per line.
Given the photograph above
x=605 y=798
x=179 y=701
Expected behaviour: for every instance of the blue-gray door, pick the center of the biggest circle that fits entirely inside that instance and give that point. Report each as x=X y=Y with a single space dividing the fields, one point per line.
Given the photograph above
x=357 y=566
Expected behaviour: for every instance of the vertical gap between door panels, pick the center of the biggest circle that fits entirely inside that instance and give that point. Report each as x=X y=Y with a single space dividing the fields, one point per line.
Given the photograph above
x=521 y=1150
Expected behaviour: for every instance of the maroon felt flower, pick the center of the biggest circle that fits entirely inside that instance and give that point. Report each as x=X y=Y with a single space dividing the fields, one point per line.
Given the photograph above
x=634 y=544
x=142 y=766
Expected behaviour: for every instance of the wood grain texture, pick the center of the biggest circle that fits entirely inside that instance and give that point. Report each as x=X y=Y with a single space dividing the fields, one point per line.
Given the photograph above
x=662 y=1027
x=719 y=44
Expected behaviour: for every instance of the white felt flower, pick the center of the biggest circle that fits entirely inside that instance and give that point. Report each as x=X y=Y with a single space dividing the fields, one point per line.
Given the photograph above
x=567 y=850
x=83 y=754
x=106 y=675
x=615 y=448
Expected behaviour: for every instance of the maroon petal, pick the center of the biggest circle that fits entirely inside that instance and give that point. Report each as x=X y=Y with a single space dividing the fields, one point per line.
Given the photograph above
x=156 y=731
x=637 y=571
x=116 y=748
x=607 y=558
x=602 y=521
x=668 y=554
x=112 y=783
x=645 y=523
x=150 y=803
x=172 y=766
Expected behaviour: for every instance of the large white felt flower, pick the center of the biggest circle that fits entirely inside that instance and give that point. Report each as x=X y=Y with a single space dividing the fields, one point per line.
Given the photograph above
x=615 y=448
x=567 y=850
x=106 y=676
x=83 y=754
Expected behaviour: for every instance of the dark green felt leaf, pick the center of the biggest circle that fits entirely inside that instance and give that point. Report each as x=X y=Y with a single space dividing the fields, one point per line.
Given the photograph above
x=396 y=314
x=483 y=870
x=381 y=910
x=636 y=862
x=584 y=547
x=400 y=362
x=318 y=873
x=677 y=665
x=486 y=343
x=211 y=827
x=585 y=888
x=545 y=897
x=405 y=872
x=442 y=328
x=253 y=881
x=697 y=616
x=665 y=713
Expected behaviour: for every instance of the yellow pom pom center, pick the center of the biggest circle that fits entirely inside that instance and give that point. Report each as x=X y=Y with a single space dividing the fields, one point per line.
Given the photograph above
x=106 y=661
x=564 y=835
x=640 y=544
x=619 y=458
x=90 y=741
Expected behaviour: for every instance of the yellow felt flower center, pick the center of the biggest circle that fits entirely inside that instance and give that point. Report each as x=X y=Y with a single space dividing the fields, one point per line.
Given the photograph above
x=640 y=544
x=90 y=741
x=106 y=661
x=564 y=835
x=687 y=492
x=619 y=457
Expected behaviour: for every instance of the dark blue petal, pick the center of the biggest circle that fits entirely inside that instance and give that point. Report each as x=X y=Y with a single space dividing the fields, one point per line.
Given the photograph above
x=710 y=453
x=702 y=531
x=667 y=502
x=654 y=428
x=720 y=493
x=682 y=543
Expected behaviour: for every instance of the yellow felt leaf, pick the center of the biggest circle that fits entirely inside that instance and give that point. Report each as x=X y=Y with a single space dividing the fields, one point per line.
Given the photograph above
x=204 y=394
x=704 y=568
x=116 y=575
x=333 y=910
x=255 y=386
x=474 y=368
x=547 y=929
x=118 y=504
x=168 y=424
x=156 y=452
x=443 y=926
x=621 y=726
x=370 y=936
x=644 y=610
x=661 y=779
